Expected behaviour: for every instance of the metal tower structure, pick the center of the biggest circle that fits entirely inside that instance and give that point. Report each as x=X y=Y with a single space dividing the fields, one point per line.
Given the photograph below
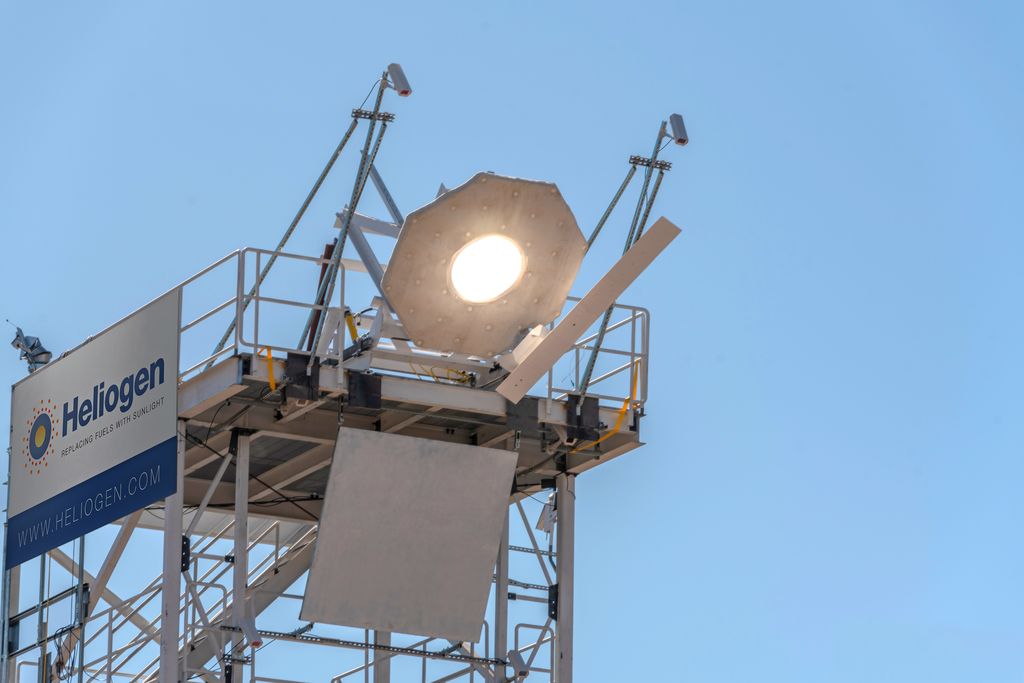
x=212 y=582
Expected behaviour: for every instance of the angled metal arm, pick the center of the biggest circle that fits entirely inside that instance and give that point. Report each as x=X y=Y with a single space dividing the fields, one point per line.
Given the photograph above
x=611 y=206
x=369 y=224
x=288 y=233
x=369 y=259
x=385 y=195
x=326 y=288
x=636 y=229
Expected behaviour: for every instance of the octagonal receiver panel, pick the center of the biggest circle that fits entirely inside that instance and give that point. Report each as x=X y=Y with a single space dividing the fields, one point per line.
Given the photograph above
x=418 y=281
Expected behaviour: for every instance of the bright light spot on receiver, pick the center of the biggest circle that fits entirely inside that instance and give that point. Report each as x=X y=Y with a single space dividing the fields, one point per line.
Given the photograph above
x=487 y=268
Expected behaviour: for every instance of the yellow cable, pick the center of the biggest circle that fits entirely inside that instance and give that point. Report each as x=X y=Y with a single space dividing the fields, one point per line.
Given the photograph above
x=270 y=367
x=621 y=416
x=462 y=378
x=350 y=321
x=413 y=368
x=424 y=369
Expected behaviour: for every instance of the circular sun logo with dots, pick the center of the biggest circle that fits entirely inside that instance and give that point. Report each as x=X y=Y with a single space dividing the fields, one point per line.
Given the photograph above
x=39 y=442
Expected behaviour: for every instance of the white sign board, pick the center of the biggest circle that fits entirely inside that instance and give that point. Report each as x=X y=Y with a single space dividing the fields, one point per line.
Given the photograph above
x=409 y=534
x=93 y=434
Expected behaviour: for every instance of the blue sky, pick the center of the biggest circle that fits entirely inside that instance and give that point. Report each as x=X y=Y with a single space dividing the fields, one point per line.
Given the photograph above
x=831 y=490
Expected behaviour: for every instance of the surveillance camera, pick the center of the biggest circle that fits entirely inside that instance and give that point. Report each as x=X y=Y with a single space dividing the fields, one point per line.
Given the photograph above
x=678 y=129
x=398 y=80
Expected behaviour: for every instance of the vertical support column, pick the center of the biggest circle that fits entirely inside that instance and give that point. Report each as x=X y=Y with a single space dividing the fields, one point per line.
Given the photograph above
x=501 y=602
x=5 y=664
x=566 y=501
x=79 y=635
x=11 y=598
x=382 y=662
x=240 y=576
x=41 y=626
x=170 y=597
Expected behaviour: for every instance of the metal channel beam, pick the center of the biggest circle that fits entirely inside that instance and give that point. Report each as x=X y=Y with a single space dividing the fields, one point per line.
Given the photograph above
x=296 y=469
x=210 y=388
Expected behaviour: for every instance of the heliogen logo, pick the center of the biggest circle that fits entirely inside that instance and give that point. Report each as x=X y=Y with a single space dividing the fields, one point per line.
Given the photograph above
x=39 y=442
x=80 y=411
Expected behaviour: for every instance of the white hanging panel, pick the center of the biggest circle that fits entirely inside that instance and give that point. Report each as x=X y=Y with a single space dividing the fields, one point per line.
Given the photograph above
x=409 y=535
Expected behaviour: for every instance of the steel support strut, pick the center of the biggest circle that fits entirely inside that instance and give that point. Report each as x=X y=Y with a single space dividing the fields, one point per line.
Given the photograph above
x=11 y=595
x=170 y=597
x=240 y=570
x=611 y=207
x=366 y=159
x=501 y=603
x=381 y=659
x=287 y=234
x=566 y=503
x=644 y=205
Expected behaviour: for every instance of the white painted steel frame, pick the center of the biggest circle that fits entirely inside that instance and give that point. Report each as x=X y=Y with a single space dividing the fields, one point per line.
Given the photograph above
x=169 y=662
x=170 y=594
x=183 y=620
x=400 y=354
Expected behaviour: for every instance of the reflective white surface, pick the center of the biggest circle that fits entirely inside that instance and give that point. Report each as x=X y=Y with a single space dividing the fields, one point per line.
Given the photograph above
x=487 y=268
x=408 y=535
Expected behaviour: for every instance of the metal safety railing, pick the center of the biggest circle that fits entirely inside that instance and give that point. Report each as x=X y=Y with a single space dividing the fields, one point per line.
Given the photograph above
x=627 y=378
x=251 y=329
x=112 y=651
x=622 y=358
